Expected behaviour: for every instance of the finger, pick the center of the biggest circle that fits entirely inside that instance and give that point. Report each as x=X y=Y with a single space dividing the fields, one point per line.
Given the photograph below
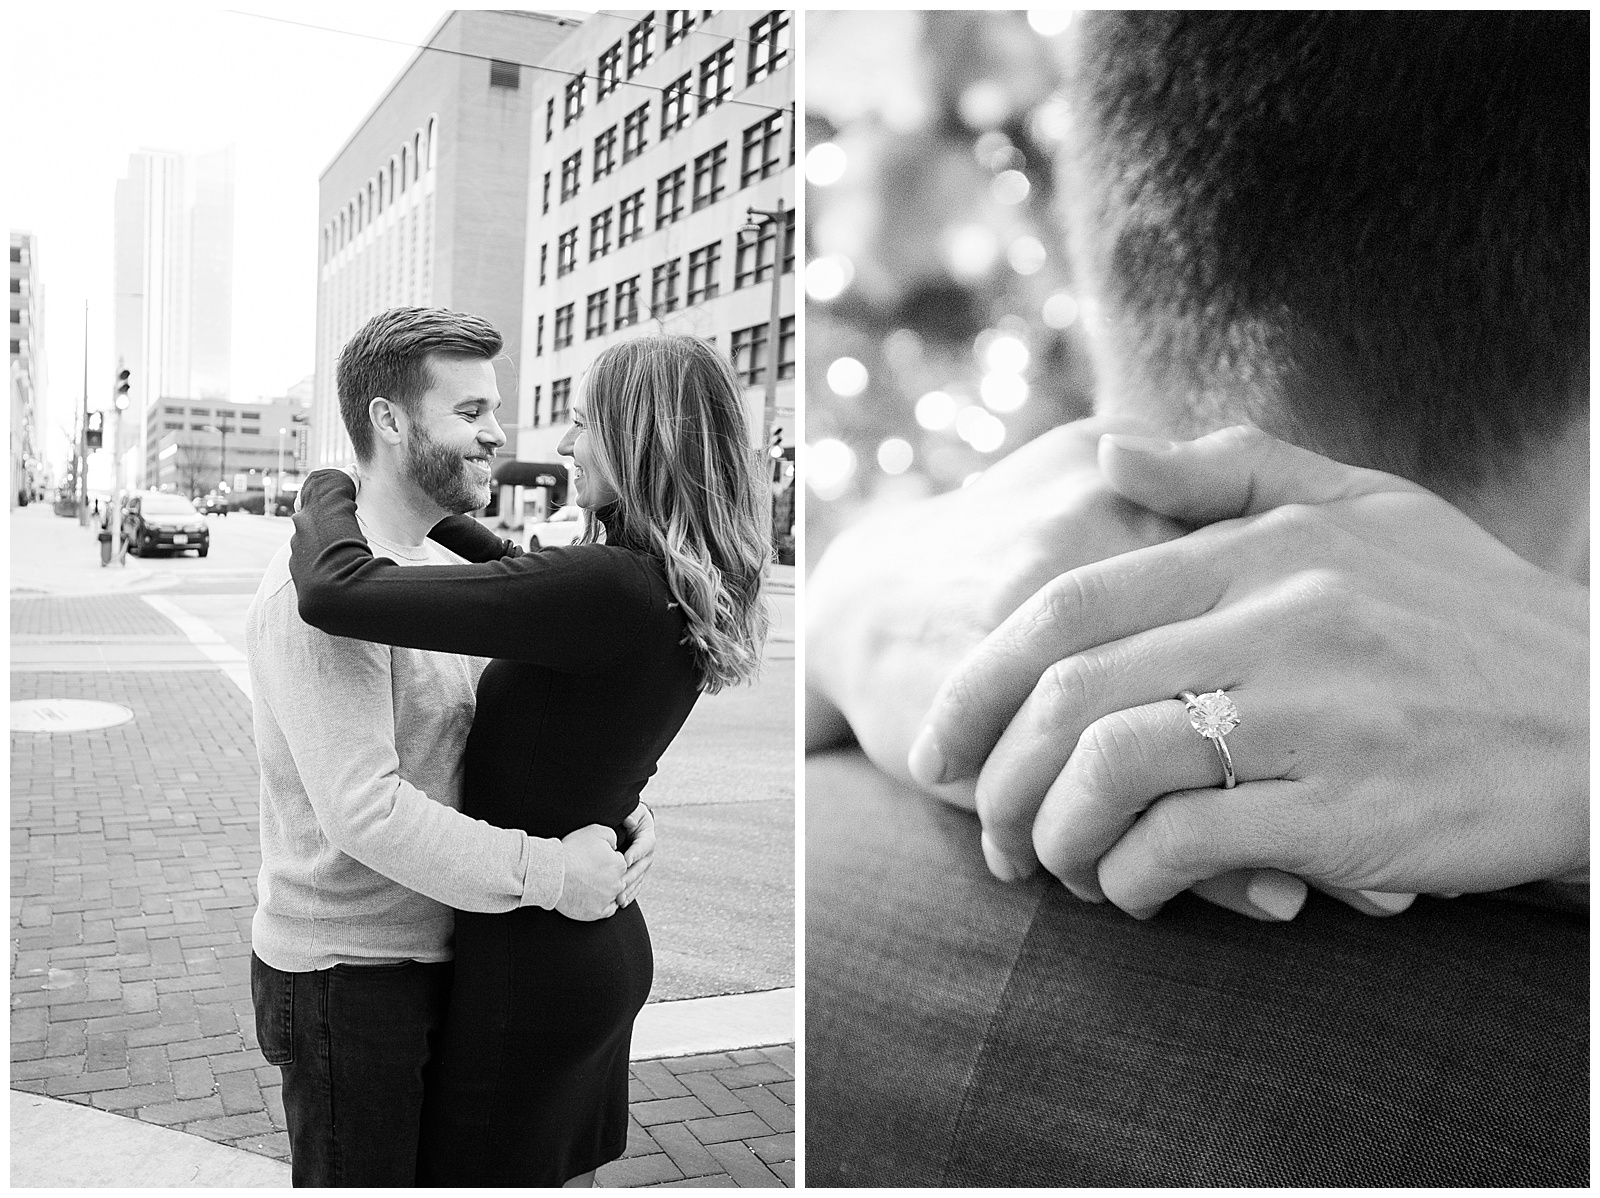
x=1127 y=760
x=1379 y=903
x=1265 y=894
x=610 y=834
x=638 y=851
x=1197 y=834
x=1239 y=471
x=1084 y=608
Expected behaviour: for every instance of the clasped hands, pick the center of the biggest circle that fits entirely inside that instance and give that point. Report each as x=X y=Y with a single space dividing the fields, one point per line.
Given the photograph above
x=1412 y=695
x=599 y=878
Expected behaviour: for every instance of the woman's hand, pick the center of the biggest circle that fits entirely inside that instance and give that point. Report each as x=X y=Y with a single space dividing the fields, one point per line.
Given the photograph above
x=641 y=851
x=1413 y=697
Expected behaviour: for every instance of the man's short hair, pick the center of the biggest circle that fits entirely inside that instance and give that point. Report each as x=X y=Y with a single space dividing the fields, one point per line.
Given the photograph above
x=388 y=357
x=1364 y=231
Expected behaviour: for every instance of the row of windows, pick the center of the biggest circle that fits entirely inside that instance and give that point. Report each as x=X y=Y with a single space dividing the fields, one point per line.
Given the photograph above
x=767 y=51
x=753 y=262
x=759 y=158
x=222 y=413
x=201 y=428
x=405 y=169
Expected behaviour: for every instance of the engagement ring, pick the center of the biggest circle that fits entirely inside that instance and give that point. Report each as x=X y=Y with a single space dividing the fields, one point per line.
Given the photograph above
x=1213 y=716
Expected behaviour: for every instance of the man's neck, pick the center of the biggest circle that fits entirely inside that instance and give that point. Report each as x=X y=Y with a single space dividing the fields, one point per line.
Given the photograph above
x=393 y=508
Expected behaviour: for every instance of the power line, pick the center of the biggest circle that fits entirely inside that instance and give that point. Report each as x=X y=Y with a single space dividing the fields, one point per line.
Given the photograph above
x=373 y=37
x=635 y=20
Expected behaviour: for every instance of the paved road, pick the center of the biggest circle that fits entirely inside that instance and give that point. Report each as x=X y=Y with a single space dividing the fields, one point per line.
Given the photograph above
x=134 y=857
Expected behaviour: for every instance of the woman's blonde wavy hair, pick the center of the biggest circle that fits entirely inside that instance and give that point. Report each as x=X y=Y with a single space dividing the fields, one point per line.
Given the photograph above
x=666 y=423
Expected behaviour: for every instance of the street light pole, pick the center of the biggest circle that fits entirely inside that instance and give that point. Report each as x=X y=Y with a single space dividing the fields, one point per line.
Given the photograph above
x=83 y=432
x=752 y=224
x=277 y=487
x=222 y=470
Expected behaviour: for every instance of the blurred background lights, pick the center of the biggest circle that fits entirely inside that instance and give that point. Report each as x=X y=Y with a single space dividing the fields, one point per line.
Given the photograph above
x=825 y=164
x=1009 y=187
x=1004 y=392
x=984 y=105
x=936 y=410
x=1060 y=310
x=829 y=465
x=828 y=276
x=895 y=456
x=1026 y=255
x=979 y=429
x=1005 y=353
x=972 y=249
x=1049 y=21
x=1050 y=120
x=847 y=377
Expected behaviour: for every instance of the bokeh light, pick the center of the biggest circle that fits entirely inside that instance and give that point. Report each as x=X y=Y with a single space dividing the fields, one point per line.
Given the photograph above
x=1010 y=187
x=847 y=377
x=829 y=465
x=980 y=429
x=1005 y=353
x=1060 y=311
x=984 y=105
x=895 y=456
x=1026 y=255
x=825 y=164
x=972 y=250
x=1049 y=21
x=936 y=411
x=828 y=276
x=1004 y=392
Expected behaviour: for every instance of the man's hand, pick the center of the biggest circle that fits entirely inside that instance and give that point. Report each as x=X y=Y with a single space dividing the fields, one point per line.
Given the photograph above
x=641 y=851
x=1413 y=696
x=594 y=872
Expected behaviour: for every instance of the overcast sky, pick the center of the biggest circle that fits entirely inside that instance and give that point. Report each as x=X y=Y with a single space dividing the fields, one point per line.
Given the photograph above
x=90 y=84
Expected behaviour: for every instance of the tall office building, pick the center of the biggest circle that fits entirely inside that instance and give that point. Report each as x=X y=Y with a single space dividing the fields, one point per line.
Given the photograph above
x=426 y=203
x=174 y=289
x=654 y=134
x=29 y=470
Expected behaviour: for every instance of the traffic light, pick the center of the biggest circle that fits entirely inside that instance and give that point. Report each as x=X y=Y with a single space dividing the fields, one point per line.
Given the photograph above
x=775 y=443
x=123 y=384
x=94 y=431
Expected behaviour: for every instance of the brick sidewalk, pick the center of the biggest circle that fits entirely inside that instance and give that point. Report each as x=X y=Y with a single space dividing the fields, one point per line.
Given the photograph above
x=134 y=859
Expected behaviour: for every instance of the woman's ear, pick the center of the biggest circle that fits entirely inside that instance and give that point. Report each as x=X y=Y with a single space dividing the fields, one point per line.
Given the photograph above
x=388 y=419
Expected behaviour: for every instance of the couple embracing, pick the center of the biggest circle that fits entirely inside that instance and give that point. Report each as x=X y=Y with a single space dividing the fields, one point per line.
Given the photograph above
x=453 y=737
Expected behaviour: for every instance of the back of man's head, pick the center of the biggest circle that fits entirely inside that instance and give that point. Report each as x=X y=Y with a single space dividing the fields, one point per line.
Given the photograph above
x=388 y=357
x=1365 y=232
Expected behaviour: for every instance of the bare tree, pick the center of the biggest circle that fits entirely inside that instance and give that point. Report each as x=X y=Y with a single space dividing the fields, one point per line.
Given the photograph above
x=196 y=467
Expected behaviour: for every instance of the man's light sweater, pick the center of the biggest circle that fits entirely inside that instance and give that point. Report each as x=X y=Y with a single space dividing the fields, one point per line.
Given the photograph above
x=363 y=850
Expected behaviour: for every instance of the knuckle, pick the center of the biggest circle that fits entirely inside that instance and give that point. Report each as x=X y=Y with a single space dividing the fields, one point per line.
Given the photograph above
x=1107 y=754
x=1177 y=839
x=1067 y=687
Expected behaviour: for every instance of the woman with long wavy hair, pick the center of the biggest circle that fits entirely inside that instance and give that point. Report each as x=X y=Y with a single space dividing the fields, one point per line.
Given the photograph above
x=600 y=651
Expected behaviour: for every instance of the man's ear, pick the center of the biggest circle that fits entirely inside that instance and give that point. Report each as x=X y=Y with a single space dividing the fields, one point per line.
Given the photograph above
x=388 y=419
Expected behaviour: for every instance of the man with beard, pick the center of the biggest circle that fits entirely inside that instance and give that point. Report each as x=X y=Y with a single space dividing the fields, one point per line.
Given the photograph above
x=364 y=852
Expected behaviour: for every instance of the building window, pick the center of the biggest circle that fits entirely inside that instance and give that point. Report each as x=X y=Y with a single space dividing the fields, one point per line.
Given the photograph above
x=544 y=261
x=549 y=126
x=546 y=191
x=627 y=305
x=600 y=234
x=563 y=333
x=605 y=153
x=633 y=132
x=504 y=74
x=709 y=180
x=609 y=73
x=786 y=348
x=669 y=197
x=703 y=273
x=536 y=397
x=679 y=22
x=538 y=337
x=630 y=218
x=571 y=168
x=769 y=46
x=788 y=242
x=560 y=401
x=594 y=320
x=173 y=424
x=573 y=108
x=641 y=46
x=172 y=411
x=752 y=261
x=761 y=159
x=716 y=78
x=675 y=106
x=664 y=288
x=567 y=253
x=749 y=354
x=248 y=431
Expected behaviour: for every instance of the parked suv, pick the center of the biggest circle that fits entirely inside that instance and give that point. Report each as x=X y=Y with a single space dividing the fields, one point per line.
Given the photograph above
x=155 y=521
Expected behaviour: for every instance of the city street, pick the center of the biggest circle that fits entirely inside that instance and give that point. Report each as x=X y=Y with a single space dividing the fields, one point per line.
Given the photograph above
x=134 y=860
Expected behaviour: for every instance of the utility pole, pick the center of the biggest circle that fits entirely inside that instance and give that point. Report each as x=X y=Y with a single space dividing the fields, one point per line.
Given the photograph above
x=83 y=431
x=753 y=225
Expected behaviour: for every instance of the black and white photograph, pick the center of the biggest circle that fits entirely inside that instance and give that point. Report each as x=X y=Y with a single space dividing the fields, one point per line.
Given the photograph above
x=1196 y=598
x=403 y=551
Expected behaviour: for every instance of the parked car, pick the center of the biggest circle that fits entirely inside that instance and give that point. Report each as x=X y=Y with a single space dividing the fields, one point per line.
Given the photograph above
x=213 y=505
x=156 y=522
x=563 y=528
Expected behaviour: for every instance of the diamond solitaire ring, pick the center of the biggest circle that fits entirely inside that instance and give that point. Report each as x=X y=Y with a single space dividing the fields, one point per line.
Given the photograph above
x=1213 y=716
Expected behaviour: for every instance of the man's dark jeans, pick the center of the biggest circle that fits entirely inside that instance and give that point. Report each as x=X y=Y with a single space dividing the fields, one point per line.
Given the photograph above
x=351 y=1042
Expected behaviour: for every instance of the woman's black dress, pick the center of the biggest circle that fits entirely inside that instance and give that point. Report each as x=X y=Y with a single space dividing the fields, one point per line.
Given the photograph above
x=589 y=685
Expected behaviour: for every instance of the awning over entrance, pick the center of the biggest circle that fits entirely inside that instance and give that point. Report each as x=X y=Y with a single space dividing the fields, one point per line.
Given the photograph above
x=530 y=474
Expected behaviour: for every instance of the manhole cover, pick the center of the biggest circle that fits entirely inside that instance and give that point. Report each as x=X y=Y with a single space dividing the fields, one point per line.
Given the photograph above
x=65 y=715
